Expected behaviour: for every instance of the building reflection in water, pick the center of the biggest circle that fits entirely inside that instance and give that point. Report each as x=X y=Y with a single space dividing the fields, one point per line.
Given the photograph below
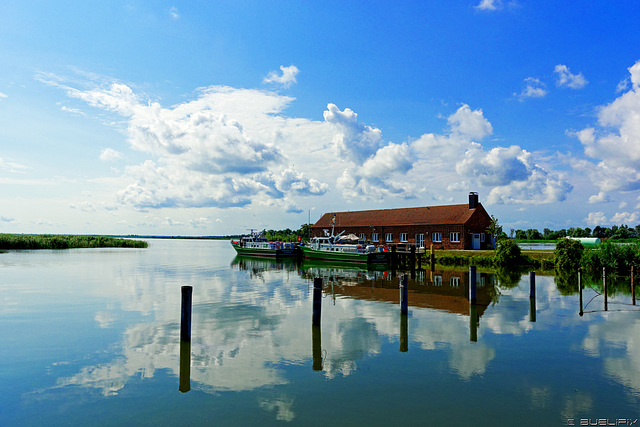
x=442 y=290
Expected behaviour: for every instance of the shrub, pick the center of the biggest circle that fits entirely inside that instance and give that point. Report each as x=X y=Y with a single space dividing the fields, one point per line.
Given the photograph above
x=568 y=253
x=508 y=254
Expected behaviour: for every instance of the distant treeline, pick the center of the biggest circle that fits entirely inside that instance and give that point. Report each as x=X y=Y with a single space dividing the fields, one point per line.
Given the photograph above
x=615 y=232
x=288 y=235
x=64 y=241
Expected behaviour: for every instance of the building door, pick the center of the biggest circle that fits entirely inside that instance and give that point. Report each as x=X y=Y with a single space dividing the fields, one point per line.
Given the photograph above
x=420 y=240
x=476 y=241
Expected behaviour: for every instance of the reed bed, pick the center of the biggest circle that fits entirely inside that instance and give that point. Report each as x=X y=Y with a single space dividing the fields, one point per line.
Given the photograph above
x=65 y=241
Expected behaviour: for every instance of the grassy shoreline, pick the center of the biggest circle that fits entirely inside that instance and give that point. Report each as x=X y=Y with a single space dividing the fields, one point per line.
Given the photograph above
x=64 y=241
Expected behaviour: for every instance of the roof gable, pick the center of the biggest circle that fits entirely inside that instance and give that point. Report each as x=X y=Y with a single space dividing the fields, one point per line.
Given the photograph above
x=429 y=215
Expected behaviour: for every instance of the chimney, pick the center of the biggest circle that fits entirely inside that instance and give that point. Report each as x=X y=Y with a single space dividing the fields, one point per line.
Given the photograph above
x=473 y=200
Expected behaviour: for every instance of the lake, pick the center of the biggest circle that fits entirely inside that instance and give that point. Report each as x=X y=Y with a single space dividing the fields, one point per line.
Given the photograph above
x=92 y=337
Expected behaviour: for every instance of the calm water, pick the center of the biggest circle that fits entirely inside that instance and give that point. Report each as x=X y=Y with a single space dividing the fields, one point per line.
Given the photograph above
x=92 y=337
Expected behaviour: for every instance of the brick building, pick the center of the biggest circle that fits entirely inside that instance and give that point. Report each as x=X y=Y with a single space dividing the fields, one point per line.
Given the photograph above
x=446 y=227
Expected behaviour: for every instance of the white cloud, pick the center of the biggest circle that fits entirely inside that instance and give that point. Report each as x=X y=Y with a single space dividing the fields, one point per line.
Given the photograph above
x=533 y=88
x=499 y=166
x=615 y=144
x=110 y=155
x=542 y=186
x=355 y=141
x=619 y=218
x=489 y=5
x=12 y=166
x=568 y=79
x=596 y=218
x=2 y=95
x=173 y=12
x=286 y=79
x=470 y=123
x=601 y=197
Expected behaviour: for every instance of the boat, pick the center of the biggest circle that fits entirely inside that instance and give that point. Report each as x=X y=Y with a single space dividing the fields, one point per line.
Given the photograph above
x=330 y=248
x=255 y=244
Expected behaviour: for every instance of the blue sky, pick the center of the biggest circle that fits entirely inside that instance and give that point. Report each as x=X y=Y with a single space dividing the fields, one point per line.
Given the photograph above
x=213 y=117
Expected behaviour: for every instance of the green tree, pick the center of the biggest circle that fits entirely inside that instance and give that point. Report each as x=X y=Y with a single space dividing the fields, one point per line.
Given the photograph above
x=568 y=253
x=508 y=254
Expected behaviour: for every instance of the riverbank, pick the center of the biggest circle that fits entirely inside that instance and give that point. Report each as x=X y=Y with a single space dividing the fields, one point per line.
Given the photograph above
x=65 y=241
x=538 y=259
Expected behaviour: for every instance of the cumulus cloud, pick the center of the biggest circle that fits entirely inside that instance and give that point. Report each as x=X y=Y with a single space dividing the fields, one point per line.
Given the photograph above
x=499 y=166
x=469 y=123
x=220 y=149
x=615 y=144
x=599 y=218
x=286 y=79
x=542 y=186
x=110 y=155
x=532 y=88
x=564 y=77
x=601 y=197
x=352 y=139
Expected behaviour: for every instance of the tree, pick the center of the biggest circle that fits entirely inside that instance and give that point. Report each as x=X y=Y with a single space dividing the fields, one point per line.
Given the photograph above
x=495 y=229
x=568 y=253
x=508 y=254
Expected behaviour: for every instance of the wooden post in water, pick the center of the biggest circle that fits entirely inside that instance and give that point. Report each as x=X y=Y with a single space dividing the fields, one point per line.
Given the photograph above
x=532 y=284
x=317 y=301
x=404 y=294
x=185 y=339
x=532 y=296
x=185 y=317
x=404 y=332
x=604 y=285
x=472 y=285
x=185 y=366
x=580 y=289
x=633 y=288
x=316 y=337
x=473 y=322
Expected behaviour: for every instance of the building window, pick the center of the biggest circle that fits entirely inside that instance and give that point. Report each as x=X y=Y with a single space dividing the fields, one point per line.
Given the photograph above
x=389 y=237
x=437 y=237
x=437 y=280
x=420 y=240
x=363 y=236
x=455 y=282
x=375 y=237
x=455 y=237
x=482 y=237
x=403 y=237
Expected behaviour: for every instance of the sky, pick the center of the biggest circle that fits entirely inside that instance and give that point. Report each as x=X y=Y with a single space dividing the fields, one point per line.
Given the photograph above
x=216 y=117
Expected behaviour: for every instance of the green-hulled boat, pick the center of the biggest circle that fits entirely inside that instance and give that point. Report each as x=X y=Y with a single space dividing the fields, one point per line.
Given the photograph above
x=324 y=248
x=257 y=245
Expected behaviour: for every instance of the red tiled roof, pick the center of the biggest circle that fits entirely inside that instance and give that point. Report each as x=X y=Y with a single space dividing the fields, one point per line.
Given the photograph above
x=433 y=215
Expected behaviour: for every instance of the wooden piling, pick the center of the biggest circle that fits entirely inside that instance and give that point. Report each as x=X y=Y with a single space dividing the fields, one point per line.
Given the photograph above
x=580 y=290
x=317 y=301
x=604 y=285
x=404 y=294
x=185 y=366
x=404 y=333
x=532 y=284
x=316 y=337
x=472 y=285
x=633 y=288
x=473 y=322
x=185 y=317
